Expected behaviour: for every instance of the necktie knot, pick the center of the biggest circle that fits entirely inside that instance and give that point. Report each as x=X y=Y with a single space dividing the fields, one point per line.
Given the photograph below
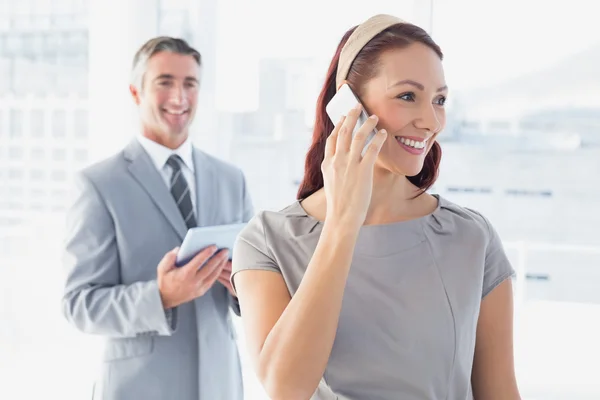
x=174 y=161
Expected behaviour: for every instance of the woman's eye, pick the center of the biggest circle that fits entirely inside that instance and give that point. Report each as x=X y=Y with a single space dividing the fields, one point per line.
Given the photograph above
x=407 y=97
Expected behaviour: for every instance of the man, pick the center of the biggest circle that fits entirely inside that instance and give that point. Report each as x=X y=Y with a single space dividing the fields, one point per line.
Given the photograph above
x=168 y=330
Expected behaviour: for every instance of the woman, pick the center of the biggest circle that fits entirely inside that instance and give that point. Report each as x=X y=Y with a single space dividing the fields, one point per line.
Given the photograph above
x=367 y=287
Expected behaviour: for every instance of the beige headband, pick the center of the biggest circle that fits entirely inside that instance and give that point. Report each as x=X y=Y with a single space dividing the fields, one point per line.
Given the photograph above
x=359 y=38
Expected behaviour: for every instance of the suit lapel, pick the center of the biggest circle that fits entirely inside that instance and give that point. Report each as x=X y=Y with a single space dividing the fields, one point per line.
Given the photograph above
x=205 y=189
x=142 y=169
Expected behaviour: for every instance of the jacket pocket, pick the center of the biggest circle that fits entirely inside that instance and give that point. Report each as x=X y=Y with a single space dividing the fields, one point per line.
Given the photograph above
x=121 y=349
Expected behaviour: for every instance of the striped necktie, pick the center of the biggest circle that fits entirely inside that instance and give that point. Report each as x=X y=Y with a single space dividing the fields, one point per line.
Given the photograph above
x=181 y=192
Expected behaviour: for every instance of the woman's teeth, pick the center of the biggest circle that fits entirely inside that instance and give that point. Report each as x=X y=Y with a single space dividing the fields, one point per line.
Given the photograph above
x=411 y=143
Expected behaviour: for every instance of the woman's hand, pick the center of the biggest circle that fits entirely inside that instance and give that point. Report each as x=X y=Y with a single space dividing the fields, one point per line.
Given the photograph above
x=347 y=175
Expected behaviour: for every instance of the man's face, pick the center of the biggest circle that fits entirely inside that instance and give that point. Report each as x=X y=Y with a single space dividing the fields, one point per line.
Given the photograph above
x=168 y=97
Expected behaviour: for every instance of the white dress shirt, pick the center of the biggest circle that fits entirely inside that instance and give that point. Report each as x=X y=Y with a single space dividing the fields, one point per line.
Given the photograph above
x=160 y=154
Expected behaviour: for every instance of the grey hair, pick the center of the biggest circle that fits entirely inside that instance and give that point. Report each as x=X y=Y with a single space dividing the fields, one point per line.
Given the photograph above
x=158 y=45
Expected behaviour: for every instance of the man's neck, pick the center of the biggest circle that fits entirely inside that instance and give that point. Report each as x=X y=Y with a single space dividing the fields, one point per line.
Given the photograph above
x=172 y=142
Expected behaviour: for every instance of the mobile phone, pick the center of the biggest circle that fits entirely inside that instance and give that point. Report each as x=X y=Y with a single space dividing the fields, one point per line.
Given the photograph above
x=341 y=103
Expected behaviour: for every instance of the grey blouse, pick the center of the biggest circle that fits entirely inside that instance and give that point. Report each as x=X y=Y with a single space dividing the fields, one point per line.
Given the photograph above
x=409 y=314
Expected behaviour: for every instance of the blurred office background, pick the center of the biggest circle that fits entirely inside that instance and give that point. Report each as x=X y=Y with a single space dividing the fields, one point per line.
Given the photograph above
x=522 y=145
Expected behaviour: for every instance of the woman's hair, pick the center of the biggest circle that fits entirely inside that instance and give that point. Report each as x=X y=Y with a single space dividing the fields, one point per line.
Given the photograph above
x=365 y=66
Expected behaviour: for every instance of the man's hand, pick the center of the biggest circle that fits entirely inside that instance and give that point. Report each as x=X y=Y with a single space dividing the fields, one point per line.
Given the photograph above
x=183 y=284
x=225 y=278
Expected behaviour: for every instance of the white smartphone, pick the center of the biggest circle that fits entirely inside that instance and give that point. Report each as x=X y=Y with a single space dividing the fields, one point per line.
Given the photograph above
x=341 y=103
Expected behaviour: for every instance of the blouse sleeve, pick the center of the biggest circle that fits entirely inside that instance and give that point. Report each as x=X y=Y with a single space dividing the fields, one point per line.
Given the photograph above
x=497 y=266
x=250 y=251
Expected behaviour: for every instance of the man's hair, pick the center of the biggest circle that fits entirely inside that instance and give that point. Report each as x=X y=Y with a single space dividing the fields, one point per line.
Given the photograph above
x=155 y=46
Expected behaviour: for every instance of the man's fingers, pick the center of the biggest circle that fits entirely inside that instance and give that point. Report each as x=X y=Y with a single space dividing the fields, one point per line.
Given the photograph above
x=168 y=262
x=201 y=258
x=216 y=263
x=227 y=266
x=225 y=274
x=206 y=281
x=225 y=281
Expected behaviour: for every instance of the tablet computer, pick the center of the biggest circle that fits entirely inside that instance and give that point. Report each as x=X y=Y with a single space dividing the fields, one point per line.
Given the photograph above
x=197 y=239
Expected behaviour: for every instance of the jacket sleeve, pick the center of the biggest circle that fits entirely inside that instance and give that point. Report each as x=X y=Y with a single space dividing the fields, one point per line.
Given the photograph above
x=94 y=300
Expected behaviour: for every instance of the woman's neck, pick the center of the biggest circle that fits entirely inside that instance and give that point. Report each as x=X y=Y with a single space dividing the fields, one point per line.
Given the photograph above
x=394 y=199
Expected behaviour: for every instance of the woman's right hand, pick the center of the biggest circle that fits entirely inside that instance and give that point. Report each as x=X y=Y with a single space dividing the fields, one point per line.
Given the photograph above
x=347 y=175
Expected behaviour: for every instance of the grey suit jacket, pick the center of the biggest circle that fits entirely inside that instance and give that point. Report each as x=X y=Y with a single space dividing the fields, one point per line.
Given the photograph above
x=121 y=224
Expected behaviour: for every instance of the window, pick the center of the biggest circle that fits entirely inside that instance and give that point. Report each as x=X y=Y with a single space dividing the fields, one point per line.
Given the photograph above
x=15 y=174
x=59 y=194
x=58 y=176
x=52 y=43
x=15 y=206
x=42 y=22
x=21 y=22
x=175 y=23
x=78 y=42
x=519 y=138
x=79 y=73
x=16 y=123
x=523 y=130
x=13 y=44
x=25 y=76
x=4 y=16
x=63 y=6
x=59 y=154
x=5 y=71
x=80 y=7
x=64 y=72
x=27 y=44
x=15 y=190
x=59 y=123
x=37 y=153
x=38 y=193
x=517 y=93
x=37 y=175
x=47 y=70
x=37 y=206
x=23 y=7
x=166 y=5
x=81 y=155
x=81 y=123
x=37 y=123
x=37 y=43
x=43 y=7
x=15 y=153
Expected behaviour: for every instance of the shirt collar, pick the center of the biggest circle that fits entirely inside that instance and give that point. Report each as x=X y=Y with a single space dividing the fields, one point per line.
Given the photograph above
x=160 y=154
